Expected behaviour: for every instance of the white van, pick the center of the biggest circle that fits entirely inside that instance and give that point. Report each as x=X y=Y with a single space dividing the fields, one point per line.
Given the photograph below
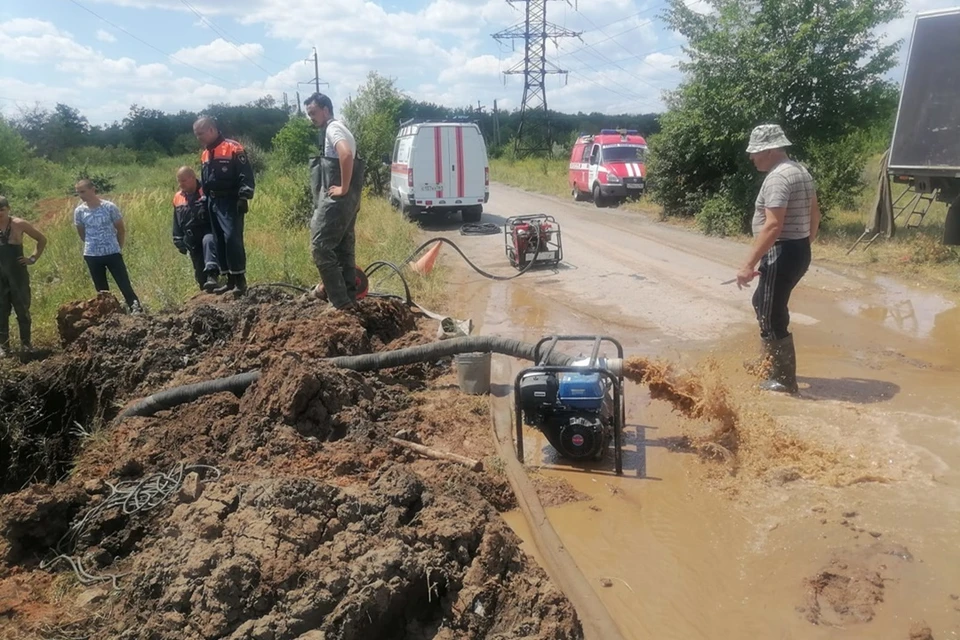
x=440 y=167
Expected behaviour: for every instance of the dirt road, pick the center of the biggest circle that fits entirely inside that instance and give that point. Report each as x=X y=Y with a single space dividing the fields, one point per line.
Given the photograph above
x=840 y=515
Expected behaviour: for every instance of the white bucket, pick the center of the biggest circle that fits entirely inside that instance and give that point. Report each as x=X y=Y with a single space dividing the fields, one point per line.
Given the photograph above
x=473 y=373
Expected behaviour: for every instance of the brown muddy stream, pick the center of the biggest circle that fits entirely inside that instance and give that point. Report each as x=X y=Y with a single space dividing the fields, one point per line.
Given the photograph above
x=838 y=516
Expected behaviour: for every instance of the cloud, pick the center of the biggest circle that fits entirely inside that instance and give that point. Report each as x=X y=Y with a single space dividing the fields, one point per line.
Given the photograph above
x=219 y=53
x=105 y=36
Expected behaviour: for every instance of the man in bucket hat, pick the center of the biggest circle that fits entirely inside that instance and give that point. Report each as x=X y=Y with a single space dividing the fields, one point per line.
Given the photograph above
x=785 y=222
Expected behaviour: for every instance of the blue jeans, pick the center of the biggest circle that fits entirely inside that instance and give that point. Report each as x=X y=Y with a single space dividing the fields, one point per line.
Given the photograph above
x=227 y=222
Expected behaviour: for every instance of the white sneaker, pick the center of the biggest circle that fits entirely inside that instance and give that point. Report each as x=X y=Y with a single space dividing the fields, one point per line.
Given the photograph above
x=135 y=308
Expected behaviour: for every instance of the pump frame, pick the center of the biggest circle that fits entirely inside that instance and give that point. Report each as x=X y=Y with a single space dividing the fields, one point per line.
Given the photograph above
x=616 y=382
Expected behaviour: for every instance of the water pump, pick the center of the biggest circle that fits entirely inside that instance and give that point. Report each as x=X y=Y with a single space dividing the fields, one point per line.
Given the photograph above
x=579 y=408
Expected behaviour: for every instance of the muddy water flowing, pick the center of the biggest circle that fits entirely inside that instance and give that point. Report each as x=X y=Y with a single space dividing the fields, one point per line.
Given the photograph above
x=743 y=515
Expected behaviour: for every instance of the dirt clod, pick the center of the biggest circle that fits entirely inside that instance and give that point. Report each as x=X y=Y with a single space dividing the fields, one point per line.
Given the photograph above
x=920 y=631
x=74 y=318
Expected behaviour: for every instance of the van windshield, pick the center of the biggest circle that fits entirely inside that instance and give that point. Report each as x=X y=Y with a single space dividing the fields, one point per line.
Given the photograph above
x=624 y=153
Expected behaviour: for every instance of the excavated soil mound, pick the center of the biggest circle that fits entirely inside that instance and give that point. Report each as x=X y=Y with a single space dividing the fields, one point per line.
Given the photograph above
x=74 y=318
x=314 y=526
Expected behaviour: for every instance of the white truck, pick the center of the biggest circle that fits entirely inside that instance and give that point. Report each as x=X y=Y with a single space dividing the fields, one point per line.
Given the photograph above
x=925 y=152
x=439 y=167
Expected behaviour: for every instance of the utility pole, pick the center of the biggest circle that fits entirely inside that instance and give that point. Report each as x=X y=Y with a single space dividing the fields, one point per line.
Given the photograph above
x=496 y=124
x=533 y=134
x=316 y=75
x=299 y=112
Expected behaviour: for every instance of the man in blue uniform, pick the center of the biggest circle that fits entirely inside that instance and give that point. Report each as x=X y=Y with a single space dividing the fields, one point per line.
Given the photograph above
x=227 y=181
x=192 y=233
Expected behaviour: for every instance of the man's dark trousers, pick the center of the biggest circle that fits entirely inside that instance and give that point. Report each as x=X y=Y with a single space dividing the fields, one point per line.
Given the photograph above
x=781 y=269
x=227 y=223
x=332 y=230
x=204 y=258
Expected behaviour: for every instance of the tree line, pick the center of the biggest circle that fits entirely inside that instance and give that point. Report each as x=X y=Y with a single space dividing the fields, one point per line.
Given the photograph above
x=53 y=133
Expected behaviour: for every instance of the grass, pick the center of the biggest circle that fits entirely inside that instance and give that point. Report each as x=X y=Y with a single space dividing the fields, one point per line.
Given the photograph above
x=914 y=253
x=163 y=278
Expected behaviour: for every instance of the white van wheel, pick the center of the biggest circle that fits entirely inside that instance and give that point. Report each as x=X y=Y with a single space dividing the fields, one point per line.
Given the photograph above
x=410 y=212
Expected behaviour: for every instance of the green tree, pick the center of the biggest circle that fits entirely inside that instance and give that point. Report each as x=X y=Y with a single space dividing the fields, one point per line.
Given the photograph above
x=373 y=117
x=814 y=67
x=14 y=150
x=296 y=141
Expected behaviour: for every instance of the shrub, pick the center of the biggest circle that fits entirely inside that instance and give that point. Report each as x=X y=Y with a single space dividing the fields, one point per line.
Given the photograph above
x=299 y=208
x=721 y=215
x=256 y=156
x=295 y=142
x=838 y=168
x=101 y=181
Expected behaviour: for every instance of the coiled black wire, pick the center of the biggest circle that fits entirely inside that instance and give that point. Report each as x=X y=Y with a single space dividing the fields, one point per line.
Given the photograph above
x=479 y=229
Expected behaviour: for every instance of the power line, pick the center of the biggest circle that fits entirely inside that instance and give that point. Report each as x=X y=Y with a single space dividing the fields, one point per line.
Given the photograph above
x=622 y=46
x=157 y=49
x=223 y=35
x=627 y=91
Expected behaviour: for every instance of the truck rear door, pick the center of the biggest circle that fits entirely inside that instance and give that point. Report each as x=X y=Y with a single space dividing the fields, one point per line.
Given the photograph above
x=469 y=163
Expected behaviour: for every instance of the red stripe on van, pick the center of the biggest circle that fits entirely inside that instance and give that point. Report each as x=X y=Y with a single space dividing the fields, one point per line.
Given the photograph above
x=438 y=159
x=460 y=170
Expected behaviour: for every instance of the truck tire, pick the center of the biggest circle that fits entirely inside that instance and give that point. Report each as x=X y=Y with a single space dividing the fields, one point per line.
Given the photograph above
x=578 y=196
x=410 y=212
x=472 y=214
x=598 y=198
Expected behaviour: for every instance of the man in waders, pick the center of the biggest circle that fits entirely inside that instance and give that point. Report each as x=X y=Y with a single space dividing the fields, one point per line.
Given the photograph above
x=192 y=233
x=785 y=222
x=228 y=183
x=14 y=279
x=336 y=179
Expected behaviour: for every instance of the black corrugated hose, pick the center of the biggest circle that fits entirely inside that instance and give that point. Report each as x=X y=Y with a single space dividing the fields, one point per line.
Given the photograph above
x=169 y=398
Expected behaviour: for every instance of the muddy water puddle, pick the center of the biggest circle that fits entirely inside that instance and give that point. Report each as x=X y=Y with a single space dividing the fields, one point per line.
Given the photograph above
x=838 y=515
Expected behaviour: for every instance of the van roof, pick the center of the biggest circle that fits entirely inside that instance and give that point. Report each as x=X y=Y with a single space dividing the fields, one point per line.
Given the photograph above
x=412 y=129
x=612 y=136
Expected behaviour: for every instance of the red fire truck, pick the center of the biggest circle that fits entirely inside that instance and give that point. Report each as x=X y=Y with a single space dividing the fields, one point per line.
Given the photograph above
x=608 y=166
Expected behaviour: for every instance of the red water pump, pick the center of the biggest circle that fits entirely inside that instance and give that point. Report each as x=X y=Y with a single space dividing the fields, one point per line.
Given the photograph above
x=532 y=239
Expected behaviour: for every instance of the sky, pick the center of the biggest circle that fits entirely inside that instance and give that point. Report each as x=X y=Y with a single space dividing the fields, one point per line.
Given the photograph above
x=101 y=56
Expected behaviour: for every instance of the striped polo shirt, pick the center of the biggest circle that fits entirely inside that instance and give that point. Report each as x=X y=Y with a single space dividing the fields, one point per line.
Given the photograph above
x=789 y=185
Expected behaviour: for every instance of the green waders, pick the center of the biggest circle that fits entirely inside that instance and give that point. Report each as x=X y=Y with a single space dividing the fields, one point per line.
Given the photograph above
x=14 y=294
x=332 y=233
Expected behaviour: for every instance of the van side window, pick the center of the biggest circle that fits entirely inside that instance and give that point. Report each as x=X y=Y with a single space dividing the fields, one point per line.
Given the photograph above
x=403 y=149
x=585 y=156
x=396 y=151
x=595 y=154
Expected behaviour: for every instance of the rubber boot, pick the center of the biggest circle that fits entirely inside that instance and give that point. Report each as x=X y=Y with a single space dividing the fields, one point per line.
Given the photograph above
x=760 y=365
x=241 y=285
x=782 y=377
x=210 y=283
x=230 y=286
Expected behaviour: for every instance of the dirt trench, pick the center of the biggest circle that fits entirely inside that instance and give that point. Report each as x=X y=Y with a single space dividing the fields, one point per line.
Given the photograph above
x=317 y=527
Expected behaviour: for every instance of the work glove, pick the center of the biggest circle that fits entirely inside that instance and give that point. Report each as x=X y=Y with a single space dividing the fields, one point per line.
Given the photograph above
x=243 y=206
x=182 y=248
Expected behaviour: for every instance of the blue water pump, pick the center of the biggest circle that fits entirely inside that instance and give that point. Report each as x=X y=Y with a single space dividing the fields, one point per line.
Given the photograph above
x=578 y=407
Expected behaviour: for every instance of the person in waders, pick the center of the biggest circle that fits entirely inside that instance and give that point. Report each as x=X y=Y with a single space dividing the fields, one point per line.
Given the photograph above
x=786 y=220
x=192 y=233
x=336 y=179
x=14 y=278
